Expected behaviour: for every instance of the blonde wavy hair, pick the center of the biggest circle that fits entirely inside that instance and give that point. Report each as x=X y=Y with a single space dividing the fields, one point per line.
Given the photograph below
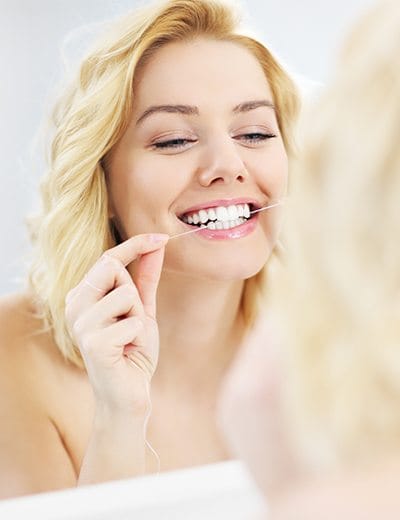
x=338 y=299
x=73 y=229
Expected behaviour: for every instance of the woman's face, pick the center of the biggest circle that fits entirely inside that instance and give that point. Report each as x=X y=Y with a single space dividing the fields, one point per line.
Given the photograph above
x=203 y=136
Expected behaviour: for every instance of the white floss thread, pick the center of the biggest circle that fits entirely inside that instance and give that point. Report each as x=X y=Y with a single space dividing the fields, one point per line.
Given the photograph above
x=204 y=226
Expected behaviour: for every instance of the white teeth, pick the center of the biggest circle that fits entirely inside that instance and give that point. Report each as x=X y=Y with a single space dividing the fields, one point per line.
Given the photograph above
x=222 y=213
x=228 y=224
x=232 y=212
x=203 y=215
x=234 y=215
x=211 y=214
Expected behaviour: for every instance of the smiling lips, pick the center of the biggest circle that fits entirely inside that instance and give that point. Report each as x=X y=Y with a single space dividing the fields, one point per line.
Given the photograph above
x=219 y=217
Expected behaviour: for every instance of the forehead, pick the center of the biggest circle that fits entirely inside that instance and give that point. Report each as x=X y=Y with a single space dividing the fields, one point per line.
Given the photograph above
x=199 y=71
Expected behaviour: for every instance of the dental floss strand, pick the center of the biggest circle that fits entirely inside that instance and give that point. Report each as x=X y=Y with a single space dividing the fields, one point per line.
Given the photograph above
x=153 y=451
x=204 y=226
x=267 y=207
x=146 y=421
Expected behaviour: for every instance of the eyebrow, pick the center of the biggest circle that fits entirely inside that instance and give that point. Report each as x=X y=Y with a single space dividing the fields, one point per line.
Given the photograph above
x=192 y=110
x=251 y=105
x=174 y=109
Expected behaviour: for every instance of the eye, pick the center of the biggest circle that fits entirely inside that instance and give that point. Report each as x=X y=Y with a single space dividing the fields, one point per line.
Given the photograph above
x=255 y=137
x=172 y=143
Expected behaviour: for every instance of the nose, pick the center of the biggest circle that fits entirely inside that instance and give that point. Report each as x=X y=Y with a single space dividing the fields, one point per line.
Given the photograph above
x=222 y=164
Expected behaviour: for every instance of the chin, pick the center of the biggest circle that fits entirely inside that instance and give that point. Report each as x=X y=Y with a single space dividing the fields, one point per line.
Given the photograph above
x=236 y=272
x=220 y=269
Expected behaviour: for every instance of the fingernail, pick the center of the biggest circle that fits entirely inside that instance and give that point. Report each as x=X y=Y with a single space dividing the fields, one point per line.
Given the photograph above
x=158 y=237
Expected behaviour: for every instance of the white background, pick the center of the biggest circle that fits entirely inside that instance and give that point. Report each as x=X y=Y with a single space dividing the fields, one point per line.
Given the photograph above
x=304 y=33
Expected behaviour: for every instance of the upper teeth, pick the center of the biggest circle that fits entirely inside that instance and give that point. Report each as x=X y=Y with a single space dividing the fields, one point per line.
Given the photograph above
x=221 y=214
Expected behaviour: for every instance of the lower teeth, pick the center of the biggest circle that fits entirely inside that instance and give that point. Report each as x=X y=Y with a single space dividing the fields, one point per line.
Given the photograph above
x=223 y=225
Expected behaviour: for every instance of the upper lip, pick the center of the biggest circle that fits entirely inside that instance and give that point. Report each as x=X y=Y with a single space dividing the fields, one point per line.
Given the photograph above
x=222 y=202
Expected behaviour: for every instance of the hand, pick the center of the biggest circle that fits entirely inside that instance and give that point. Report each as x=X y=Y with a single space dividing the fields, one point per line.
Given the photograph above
x=112 y=319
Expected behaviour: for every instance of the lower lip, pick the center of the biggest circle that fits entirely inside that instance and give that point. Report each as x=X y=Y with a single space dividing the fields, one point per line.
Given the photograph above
x=228 y=234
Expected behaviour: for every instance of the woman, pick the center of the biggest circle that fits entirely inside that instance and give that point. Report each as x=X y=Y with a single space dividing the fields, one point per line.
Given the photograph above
x=175 y=118
x=323 y=438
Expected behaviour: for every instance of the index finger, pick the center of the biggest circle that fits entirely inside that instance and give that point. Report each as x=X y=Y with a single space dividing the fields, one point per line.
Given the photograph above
x=103 y=279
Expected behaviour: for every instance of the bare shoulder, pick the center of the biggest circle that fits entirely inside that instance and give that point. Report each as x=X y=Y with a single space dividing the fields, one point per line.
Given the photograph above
x=22 y=338
x=30 y=446
x=28 y=351
x=17 y=316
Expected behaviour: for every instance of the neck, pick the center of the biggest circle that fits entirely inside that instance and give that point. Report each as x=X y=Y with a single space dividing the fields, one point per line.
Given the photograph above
x=200 y=323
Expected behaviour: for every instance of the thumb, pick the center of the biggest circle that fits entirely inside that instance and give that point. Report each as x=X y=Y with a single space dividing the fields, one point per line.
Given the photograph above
x=147 y=278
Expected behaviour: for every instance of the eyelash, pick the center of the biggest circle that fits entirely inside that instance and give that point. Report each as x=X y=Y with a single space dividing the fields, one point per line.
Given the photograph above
x=259 y=137
x=179 y=143
x=173 y=143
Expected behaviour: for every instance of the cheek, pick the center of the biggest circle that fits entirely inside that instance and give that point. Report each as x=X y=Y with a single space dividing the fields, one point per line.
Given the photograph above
x=157 y=182
x=143 y=190
x=271 y=171
x=277 y=172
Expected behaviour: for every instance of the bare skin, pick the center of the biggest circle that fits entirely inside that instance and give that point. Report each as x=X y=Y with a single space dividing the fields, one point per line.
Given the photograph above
x=60 y=432
x=360 y=495
x=65 y=426
x=47 y=409
x=44 y=426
